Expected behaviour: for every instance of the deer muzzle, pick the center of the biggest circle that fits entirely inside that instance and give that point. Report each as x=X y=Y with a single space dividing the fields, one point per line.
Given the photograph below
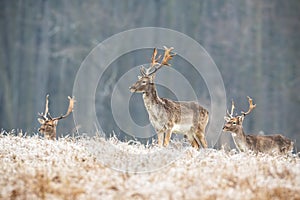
x=132 y=89
x=225 y=127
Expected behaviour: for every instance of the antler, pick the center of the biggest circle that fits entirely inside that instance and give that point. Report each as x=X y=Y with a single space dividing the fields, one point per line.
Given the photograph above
x=154 y=61
x=167 y=56
x=70 y=109
x=251 y=106
x=232 y=109
x=44 y=115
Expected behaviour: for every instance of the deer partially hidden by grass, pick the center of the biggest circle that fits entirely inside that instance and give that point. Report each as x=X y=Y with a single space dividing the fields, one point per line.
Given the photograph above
x=165 y=115
x=48 y=123
x=270 y=144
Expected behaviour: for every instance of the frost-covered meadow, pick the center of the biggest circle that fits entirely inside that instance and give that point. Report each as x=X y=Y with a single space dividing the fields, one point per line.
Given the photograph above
x=35 y=168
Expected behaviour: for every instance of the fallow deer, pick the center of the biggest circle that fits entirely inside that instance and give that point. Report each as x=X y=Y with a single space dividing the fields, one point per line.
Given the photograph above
x=269 y=144
x=165 y=115
x=48 y=124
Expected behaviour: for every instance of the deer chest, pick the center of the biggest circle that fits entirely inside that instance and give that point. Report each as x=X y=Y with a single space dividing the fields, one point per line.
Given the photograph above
x=240 y=143
x=158 y=118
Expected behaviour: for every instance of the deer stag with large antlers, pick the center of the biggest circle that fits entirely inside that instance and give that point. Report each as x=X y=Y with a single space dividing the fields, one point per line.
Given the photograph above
x=165 y=115
x=256 y=143
x=48 y=123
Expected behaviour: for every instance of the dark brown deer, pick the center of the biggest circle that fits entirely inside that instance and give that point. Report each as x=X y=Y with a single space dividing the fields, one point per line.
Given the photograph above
x=165 y=115
x=257 y=143
x=48 y=123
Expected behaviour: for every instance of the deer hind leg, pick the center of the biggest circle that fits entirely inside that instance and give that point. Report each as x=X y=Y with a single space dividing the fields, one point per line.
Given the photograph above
x=190 y=136
x=201 y=137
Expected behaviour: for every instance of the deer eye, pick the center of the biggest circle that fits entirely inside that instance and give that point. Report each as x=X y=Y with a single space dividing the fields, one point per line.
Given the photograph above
x=234 y=123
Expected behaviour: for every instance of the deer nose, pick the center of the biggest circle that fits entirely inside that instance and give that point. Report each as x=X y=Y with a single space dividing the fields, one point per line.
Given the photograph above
x=132 y=89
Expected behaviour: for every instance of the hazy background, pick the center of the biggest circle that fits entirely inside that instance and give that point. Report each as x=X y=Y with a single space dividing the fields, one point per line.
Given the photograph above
x=255 y=44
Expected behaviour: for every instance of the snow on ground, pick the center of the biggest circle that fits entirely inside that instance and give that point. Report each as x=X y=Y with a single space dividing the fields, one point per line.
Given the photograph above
x=35 y=168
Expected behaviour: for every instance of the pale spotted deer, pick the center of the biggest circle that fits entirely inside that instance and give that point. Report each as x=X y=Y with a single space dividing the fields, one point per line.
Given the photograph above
x=257 y=143
x=48 y=124
x=165 y=115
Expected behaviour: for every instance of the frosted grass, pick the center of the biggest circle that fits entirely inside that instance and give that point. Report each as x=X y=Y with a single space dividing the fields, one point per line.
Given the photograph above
x=34 y=168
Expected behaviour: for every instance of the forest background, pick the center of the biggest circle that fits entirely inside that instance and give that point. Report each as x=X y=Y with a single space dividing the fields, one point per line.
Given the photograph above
x=255 y=44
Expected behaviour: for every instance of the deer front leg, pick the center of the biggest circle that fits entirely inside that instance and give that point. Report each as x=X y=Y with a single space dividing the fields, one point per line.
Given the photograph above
x=195 y=144
x=168 y=137
x=160 y=137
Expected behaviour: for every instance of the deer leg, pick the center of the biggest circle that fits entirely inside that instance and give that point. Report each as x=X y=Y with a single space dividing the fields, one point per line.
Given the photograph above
x=201 y=137
x=195 y=143
x=190 y=136
x=167 y=137
x=160 y=138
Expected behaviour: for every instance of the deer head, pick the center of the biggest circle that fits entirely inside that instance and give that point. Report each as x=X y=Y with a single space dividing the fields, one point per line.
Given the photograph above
x=147 y=75
x=48 y=123
x=233 y=123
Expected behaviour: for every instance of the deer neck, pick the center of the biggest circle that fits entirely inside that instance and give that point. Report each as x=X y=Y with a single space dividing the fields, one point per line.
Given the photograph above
x=239 y=138
x=150 y=96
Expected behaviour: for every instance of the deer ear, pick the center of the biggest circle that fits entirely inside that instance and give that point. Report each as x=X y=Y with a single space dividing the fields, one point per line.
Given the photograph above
x=41 y=121
x=55 y=122
x=227 y=119
x=241 y=119
x=152 y=77
x=139 y=77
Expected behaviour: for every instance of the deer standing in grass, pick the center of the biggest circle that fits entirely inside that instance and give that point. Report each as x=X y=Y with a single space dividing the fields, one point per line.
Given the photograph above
x=257 y=143
x=48 y=124
x=165 y=115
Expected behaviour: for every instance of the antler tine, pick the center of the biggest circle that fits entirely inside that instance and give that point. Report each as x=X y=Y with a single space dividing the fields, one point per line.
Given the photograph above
x=46 y=107
x=143 y=71
x=154 y=59
x=154 y=62
x=44 y=115
x=232 y=109
x=70 y=109
x=251 y=106
x=167 y=56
